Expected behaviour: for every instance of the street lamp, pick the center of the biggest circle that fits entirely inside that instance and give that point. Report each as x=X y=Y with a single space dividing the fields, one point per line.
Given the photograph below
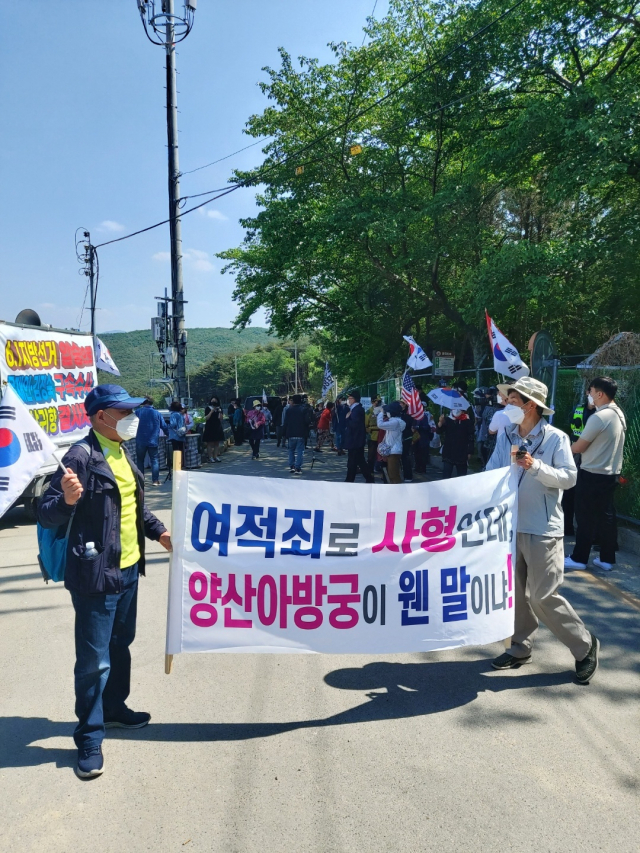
x=163 y=27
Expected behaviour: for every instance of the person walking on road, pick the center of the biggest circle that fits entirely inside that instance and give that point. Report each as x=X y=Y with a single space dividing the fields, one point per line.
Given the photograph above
x=601 y=445
x=297 y=422
x=390 y=423
x=102 y=495
x=213 y=429
x=545 y=469
x=407 y=442
x=257 y=423
x=355 y=439
x=338 y=422
x=177 y=428
x=457 y=435
x=237 y=423
x=150 y=423
x=324 y=427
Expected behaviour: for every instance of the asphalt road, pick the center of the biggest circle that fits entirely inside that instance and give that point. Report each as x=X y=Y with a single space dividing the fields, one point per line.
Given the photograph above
x=316 y=753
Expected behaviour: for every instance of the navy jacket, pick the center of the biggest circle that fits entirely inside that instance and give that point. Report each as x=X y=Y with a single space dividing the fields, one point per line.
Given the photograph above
x=96 y=519
x=355 y=431
x=297 y=421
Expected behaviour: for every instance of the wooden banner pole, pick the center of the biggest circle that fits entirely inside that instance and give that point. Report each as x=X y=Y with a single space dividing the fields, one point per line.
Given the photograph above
x=177 y=466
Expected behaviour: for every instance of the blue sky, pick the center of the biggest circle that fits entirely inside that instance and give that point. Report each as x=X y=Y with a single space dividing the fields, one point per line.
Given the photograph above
x=83 y=141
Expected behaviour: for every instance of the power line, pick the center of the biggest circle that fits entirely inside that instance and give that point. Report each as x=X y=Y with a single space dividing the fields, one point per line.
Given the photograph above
x=220 y=159
x=331 y=131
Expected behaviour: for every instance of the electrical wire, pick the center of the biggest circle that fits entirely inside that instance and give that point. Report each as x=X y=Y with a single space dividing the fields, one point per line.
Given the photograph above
x=220 y=159
x=261 y=173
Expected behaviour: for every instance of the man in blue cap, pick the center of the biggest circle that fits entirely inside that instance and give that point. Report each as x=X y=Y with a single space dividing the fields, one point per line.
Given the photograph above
x=102 y=498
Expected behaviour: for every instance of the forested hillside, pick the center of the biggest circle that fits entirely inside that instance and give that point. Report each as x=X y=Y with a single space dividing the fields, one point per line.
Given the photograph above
x=132 y=351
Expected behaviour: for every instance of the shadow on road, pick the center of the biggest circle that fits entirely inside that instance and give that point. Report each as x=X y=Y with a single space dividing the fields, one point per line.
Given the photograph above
x=414 y=689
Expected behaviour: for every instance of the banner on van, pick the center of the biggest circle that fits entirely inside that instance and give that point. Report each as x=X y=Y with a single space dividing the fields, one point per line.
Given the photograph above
x=52 y=373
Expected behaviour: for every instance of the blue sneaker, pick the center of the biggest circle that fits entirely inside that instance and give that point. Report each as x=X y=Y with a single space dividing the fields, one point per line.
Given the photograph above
x=90 y=762
x=127 y=719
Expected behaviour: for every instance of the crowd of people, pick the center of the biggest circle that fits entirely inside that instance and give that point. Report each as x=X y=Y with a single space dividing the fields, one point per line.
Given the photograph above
x=98 y=497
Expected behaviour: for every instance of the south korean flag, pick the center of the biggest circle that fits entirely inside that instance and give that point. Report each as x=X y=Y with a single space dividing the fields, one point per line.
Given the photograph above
x=24 y=448
x=506 y=358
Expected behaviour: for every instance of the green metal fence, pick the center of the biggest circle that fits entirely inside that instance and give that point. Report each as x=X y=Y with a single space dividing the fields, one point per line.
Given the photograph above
x=571 y=386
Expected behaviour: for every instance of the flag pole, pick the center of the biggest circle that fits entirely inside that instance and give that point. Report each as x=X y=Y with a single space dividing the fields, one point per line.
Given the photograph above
x=177 y=466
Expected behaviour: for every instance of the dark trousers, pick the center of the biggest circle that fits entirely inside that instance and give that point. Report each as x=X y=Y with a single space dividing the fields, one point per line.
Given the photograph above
x=421 y=456
x=141 y=452
x=448 y=466
x=407 y=450
x=595 y=516
x=355 y=462
x=105 y=627
x=238 y=434
x=372 y=452
x=569 y=508
x=255 y=446
x=279 y=435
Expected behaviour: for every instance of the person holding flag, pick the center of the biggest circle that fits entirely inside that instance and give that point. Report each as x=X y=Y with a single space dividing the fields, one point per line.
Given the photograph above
x=101 y=499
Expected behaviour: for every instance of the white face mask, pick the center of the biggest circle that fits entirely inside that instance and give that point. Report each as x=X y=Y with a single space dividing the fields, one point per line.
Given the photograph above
x=590 y=400
x=514 y=413
x=126 y=427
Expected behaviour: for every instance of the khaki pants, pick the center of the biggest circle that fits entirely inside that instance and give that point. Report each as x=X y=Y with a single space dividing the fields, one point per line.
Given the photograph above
x=538 y=574
x=393 y=468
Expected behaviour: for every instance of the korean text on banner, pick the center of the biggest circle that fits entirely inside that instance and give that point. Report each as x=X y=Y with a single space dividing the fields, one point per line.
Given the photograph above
x=337 y=568
x=52 y=373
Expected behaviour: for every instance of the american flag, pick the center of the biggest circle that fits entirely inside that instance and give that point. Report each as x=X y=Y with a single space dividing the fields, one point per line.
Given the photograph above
x=411 y=397
x=327 y=380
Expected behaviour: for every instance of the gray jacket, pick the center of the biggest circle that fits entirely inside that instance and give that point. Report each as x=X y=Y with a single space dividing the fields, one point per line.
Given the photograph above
x=540 y=488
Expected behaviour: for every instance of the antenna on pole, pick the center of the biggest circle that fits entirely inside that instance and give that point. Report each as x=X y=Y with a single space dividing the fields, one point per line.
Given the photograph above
x=166 y=28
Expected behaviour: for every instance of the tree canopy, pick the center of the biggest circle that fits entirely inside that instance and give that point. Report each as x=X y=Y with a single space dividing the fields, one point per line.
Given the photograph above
x=499 y=168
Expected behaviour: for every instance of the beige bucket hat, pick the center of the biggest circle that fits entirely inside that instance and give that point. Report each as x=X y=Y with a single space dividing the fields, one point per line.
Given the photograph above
x=530 y=388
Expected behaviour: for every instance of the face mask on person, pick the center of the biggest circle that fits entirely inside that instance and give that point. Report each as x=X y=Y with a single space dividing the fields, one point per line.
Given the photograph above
x=258 y=408
x=590 y=400
x=126 y=427
x=514 y=413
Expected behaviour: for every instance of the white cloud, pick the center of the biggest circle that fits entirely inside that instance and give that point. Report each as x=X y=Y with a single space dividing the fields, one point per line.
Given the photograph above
x=213 y=214
x=110 y=225
x=202 y=266
x=195 y=258
x=196 y=254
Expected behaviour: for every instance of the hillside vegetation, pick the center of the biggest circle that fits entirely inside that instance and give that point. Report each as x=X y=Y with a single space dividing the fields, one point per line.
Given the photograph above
x=131 y=352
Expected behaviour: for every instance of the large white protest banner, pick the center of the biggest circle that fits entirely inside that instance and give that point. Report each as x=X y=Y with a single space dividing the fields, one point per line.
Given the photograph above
x=269 y=565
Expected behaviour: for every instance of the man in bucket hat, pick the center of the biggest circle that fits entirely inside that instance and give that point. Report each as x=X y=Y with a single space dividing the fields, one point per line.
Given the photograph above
x=102 y=494
x=546 y=469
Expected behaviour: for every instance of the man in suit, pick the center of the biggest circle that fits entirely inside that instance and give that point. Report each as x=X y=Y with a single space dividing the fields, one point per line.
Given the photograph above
x=355 y=439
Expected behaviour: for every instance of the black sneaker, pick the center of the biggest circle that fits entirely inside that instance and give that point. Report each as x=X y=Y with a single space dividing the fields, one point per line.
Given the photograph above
x=297 y=471
x=586 y=668
x=90 y=762
x=128 y=719
x=507 y=661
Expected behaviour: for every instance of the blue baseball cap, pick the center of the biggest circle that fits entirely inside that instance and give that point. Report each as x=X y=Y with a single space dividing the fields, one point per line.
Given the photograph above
x=110 y=397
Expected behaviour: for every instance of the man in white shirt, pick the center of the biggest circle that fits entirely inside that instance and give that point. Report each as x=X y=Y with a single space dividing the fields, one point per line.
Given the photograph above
x=601 y=445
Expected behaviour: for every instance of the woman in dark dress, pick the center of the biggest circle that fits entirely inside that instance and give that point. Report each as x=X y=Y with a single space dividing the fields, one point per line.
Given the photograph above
x=213 y=431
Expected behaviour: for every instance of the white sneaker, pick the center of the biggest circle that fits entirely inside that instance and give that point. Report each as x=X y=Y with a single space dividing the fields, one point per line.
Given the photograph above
x=606 y=567
x=571 y=564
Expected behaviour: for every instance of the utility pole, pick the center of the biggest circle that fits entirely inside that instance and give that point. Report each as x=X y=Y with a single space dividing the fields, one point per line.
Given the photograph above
x=86 y=254
x=237 y=386
x=296 y=360
x=165 y=28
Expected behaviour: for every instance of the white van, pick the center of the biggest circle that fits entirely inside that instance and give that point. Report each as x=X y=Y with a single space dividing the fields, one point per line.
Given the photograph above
x=52 y=371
